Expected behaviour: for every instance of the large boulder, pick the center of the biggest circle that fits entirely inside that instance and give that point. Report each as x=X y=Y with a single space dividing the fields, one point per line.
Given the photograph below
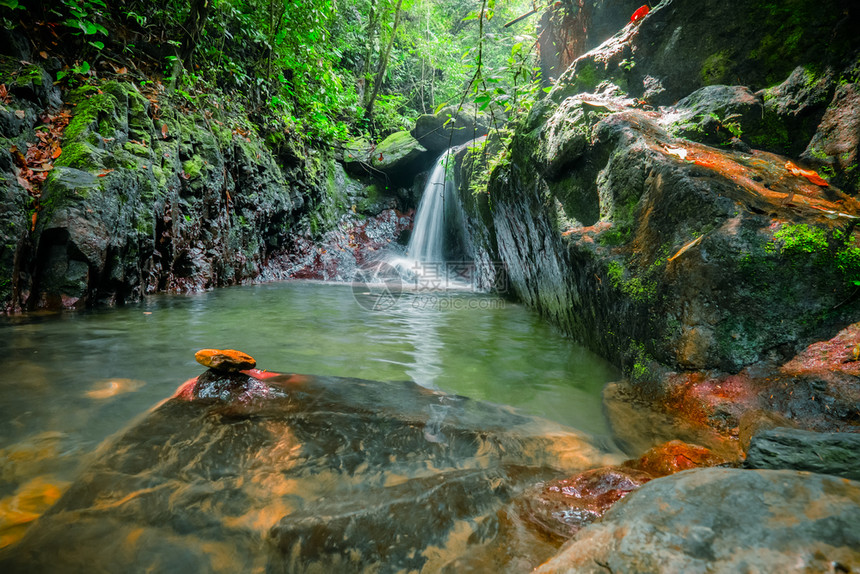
x=451 y=126
x=400 y=157
x=724 y=521
x=650 y=247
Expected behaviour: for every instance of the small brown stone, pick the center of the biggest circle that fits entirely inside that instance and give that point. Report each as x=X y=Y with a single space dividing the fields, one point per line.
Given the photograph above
x=225 y=360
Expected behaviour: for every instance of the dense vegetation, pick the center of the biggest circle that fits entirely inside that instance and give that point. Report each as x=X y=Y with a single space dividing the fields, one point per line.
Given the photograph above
x=322 y=69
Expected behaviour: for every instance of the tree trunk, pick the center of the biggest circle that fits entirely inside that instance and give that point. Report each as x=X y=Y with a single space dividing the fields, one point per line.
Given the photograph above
x=193 y=30
x=383 y=64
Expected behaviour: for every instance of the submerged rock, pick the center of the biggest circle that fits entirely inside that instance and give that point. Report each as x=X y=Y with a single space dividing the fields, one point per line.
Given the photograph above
x=558 y=509
x=722 y=521
x=317 y=473
x=225 y=360
x=825 y=453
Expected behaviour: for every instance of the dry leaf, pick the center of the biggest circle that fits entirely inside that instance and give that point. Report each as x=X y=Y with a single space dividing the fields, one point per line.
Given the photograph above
x=122 y=70
x=21 y=114
x=677 y=151
x=44 y=55
x=809 y=174
x=57 y=153
x=689 y=245
x=33 y=222
x=164 y=131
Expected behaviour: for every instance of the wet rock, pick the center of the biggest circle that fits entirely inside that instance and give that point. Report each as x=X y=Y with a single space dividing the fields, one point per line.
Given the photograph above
x=341 y=252
x=30 y=500
x=795 y=449
x=449 y=127
x=560 y=508
x=756 y=420
x=225 y=360
x=680 y=47
x=835 y=146
x=717 y=114
x=400 y=157
x=657 y=250
x=335 y=474
x=723 y=520
x=675 y=456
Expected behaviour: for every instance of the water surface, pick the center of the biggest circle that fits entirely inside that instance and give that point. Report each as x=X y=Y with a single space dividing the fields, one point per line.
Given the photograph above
x=81 y=376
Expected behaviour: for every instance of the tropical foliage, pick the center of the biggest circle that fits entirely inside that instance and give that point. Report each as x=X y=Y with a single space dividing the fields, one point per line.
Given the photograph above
x=324 y=69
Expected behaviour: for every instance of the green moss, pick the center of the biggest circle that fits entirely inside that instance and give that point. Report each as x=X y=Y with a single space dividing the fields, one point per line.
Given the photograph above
x=835 y=251
x=193 y=167
x=715 y=68
x=638 y=289
x=587 y=77
x=136 y=149
x=90 y=112
x=29 y=75
x=80 y=155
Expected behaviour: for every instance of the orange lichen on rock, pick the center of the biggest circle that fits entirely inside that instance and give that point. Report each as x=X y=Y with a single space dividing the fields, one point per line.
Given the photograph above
x=225 y=360
x=675 y=456
x=558 y=509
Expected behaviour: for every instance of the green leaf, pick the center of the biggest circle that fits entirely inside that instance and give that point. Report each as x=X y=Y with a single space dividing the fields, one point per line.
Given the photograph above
x=97 y=45
x=11 y=4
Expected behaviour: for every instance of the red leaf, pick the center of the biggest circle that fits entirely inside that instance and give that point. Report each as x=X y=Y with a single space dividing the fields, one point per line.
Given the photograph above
x=104 y=173
x=640 y=13
x=164 y=131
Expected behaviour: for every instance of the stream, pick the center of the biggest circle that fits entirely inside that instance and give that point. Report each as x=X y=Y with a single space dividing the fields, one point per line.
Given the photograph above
x=70 y=380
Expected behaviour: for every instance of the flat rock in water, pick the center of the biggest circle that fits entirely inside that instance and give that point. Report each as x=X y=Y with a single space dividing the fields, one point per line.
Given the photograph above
x=719 y=520
x=316 y=474
x=826 y=453
x=225 y=360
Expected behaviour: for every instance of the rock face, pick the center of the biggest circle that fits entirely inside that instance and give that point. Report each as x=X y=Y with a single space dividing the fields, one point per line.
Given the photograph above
x=651 y=247
x=722 y=521
x=147 y=197
x=676 y=239
x=314 y=474
x=825 y=453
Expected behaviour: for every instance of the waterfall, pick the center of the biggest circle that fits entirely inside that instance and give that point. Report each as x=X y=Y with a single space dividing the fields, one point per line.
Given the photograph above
x=427 y=243
x=436 y=256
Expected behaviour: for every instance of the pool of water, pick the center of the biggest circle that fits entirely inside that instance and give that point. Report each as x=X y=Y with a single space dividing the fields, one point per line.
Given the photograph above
x=70 y=380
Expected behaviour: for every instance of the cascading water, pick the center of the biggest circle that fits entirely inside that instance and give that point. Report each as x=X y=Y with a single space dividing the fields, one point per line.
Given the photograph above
x=437 y=233
x=427 y=243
